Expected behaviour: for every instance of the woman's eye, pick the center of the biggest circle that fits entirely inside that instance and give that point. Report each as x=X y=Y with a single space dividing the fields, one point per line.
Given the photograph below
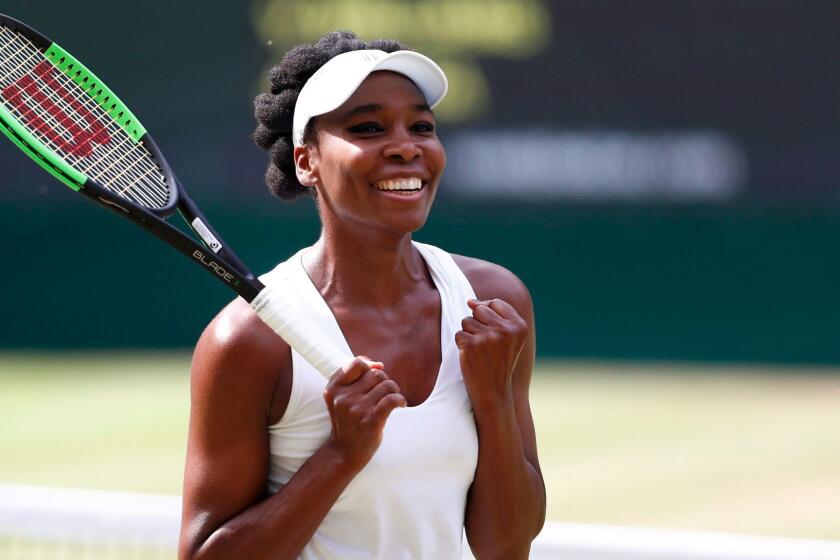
x=365 y=128
x=424 y=127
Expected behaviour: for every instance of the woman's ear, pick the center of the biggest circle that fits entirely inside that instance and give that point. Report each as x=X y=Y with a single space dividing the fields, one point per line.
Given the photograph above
x=305 y=168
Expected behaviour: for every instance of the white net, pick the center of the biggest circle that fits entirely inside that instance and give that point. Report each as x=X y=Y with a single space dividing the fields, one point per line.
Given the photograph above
x=39 y=523
x=69 y=122
x=62 y=524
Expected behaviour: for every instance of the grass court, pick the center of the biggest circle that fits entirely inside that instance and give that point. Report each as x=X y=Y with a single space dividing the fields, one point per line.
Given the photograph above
x=742 y=449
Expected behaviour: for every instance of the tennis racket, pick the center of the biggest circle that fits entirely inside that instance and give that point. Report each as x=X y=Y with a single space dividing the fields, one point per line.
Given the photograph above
x=71 y=124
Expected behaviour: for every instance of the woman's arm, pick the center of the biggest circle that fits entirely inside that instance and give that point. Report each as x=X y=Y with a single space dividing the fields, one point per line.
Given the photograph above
x=506 y=504
x=240 y=367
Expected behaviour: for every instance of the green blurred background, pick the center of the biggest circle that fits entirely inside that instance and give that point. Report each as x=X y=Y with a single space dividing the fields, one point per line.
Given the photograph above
x=662 y=174
x=674 y=193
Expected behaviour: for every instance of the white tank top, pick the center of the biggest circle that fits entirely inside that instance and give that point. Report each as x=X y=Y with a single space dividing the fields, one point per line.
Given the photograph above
x=409 y=500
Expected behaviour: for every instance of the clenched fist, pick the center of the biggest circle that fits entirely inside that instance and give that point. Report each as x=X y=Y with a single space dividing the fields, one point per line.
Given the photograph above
x=490 y=344
x=360 y=397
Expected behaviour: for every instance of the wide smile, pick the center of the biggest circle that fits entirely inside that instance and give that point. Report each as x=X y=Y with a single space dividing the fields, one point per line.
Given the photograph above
x=402 y=187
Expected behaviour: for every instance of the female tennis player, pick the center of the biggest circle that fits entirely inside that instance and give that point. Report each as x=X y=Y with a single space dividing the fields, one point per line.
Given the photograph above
x=428 y=432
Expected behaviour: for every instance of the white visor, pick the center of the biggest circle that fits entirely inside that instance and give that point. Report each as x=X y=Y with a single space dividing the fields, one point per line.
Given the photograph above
x=338 y=79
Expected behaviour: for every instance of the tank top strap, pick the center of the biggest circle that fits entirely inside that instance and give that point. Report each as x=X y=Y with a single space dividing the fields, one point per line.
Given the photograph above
x=451 y=283
x=291 y=277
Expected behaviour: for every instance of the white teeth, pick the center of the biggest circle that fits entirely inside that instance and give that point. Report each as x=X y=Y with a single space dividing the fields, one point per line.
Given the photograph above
x=413 y=184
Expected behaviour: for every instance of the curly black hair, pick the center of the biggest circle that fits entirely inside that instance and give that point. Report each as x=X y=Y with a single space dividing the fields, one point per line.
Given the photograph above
x=274 y=111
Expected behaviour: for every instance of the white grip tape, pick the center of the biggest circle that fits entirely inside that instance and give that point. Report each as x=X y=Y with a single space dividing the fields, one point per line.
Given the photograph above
x=299 y=331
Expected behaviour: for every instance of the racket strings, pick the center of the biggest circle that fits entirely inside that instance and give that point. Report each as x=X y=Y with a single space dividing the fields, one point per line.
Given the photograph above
x=108 y=155
x=127 y=180
x=99 y=167
x=124 y=181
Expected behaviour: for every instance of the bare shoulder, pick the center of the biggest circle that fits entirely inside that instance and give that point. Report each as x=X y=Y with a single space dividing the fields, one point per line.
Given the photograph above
x=237 y=371
x=239 y=355
x=492 y=281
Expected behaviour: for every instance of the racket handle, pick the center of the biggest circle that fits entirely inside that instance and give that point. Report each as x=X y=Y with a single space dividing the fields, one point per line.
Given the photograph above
x=299 y=332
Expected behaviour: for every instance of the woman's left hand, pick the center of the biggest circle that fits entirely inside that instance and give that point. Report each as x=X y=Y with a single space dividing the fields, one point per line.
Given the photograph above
x=490 y=343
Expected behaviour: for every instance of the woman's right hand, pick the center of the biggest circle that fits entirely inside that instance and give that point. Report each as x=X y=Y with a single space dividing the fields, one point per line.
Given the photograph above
x=360 y=396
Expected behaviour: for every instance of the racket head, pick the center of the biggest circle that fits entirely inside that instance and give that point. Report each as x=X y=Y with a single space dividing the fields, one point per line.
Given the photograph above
x=71 y=124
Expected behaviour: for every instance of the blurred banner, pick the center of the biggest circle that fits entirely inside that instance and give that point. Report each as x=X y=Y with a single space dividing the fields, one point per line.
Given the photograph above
x=663 y=174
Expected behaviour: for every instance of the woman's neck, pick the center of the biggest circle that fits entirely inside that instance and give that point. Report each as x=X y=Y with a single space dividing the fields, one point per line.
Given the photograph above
x=378 y=271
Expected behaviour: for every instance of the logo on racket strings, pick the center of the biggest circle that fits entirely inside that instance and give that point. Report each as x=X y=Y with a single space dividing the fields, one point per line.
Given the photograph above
x=38 y=119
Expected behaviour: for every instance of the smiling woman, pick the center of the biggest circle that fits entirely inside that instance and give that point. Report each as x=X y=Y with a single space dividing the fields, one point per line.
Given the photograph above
x=379 y=160
x=394 y=456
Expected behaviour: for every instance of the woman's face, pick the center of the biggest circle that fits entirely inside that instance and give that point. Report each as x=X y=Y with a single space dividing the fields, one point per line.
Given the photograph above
x=376 y=160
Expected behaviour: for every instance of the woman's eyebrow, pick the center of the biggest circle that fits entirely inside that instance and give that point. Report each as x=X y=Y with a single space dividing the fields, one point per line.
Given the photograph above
x=422 y=108
x=363 y=109
x=374 y=107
